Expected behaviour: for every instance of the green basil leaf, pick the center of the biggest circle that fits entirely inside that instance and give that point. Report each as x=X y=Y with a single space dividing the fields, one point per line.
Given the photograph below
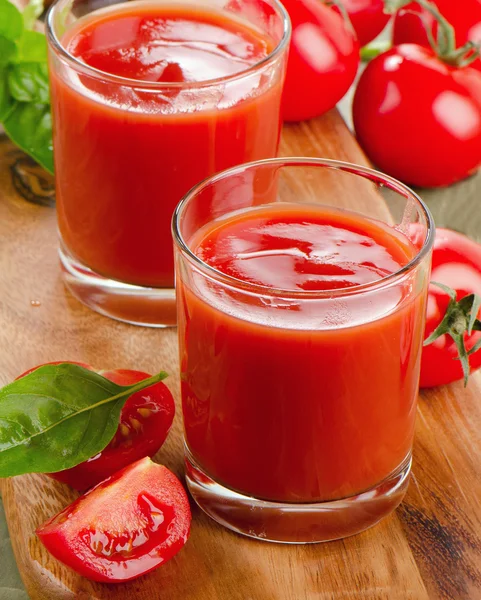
x=32 y=48
x=24 y=90
x=6 y=100
x=59 y=416
x=28 y=82
x=31 y=12
x=29 y=126
x=8 y=51
x=11 y=21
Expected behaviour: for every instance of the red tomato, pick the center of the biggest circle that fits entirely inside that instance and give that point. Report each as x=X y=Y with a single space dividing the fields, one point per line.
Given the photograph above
x=323 y=60
x=463 y=15
x=457 y=264
x=145 y=422
x=367 y=17
x=126 y=526
x=419 y=119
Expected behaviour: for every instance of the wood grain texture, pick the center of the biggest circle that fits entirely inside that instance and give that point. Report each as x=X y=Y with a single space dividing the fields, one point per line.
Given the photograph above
x=429 y=549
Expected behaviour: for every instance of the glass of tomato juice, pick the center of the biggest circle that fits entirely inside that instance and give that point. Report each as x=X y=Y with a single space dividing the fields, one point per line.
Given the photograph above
x=149 y=98
x=301 y=290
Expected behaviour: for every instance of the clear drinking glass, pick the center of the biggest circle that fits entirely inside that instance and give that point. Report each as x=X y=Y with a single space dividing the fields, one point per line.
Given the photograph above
x=299 y=402
x=127 y=150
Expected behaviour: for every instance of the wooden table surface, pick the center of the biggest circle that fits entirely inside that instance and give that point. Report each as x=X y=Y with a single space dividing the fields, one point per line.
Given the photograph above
x=429 y=549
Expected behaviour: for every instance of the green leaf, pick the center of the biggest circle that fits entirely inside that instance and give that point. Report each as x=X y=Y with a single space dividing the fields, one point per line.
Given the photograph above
x=8 y=51
x=6 y=100
x=28 y=82
x=59 y=416
x=24 y=88
x=32 y=47
x=11 y=21
x=31 y=12
x=29 y=126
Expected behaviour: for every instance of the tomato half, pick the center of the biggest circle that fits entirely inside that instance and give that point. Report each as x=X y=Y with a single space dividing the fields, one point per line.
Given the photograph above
x=145 y=422
x=411 y=21
x=419 y=119
x=126 y=526
x=457 y=264
x=367 y=17
x=323 y=60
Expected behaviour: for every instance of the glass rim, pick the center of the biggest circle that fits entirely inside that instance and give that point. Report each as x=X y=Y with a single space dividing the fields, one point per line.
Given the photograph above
x=346 y=167
x=85 y=69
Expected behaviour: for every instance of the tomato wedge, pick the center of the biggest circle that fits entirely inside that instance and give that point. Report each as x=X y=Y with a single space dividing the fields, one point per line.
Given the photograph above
x=145 y=422
x=128 y=525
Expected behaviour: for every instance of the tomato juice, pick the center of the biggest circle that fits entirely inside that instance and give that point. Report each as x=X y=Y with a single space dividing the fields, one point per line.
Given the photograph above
x=299 y=374
x=173 y=97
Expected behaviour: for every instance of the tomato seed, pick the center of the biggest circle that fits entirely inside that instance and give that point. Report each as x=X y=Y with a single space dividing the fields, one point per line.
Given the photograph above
x=144 y=412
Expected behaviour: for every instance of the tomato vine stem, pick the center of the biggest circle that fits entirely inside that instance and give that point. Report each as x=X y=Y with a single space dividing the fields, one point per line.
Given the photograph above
x=460 y=318
x=342 y=9
x=445 y=43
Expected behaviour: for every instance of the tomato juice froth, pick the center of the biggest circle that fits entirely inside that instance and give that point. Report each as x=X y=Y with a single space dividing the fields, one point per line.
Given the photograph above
x=169 y=47
x=125 y=154
x=296 y=387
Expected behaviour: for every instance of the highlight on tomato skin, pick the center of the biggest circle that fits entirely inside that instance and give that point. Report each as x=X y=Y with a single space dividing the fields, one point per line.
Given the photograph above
x=367 y=17
x=128 y=525
x=145 y=422
x=323 y=60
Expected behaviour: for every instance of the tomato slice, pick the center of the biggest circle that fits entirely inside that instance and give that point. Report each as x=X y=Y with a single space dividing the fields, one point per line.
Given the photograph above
x=126 y=526
x=145 y=422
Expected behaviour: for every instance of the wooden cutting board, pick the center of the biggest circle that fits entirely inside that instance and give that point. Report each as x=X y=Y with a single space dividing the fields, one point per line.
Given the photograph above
x=429 y=549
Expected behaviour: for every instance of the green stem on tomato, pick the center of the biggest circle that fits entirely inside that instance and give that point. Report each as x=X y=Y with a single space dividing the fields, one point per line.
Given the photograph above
x=342 y=9
x=460 y=318
x=374 y=49
x=445 y=44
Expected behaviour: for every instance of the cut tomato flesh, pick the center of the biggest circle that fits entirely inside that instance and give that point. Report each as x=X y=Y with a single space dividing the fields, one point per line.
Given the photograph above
x=126 y=526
